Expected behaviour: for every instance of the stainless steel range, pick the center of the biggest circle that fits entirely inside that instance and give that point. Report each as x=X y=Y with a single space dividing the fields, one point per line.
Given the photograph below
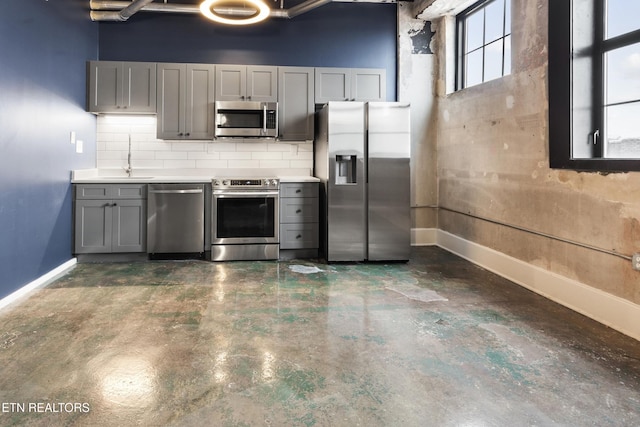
x=245 y=219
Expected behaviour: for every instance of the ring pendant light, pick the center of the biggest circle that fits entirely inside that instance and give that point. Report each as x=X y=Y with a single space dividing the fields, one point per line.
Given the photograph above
x=261 y=11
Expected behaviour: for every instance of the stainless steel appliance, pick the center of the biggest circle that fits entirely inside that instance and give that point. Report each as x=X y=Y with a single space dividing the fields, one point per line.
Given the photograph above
x=245 y=219
x=362 y=153
x=246 y=119
x=175 y=219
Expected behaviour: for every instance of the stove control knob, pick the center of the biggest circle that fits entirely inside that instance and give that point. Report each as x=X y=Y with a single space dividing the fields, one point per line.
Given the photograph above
x=274 y=182
x=216 y=182
x=225 y=182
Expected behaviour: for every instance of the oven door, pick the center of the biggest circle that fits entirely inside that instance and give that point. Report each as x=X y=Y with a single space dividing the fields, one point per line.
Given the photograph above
x=244 y=217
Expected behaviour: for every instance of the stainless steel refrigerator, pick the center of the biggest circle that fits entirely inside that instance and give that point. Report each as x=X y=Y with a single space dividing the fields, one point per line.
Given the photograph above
x=361 y=156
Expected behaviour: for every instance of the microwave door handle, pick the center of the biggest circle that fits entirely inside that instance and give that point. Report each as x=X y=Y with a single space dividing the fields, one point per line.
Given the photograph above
x=264 y=119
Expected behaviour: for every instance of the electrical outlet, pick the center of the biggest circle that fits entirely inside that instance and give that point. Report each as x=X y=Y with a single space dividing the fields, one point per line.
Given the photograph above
x=635 y=261
x=72 y=137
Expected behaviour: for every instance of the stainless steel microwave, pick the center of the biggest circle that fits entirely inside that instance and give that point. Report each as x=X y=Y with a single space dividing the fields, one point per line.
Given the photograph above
x=246 y=119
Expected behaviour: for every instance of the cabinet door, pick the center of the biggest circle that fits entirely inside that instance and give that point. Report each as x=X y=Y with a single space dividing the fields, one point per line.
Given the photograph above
x=139 y=87
x=171 y=100
x=200 y=93
x=368 y=84
x=295 y=103
x=105 y=86
x=93 y=226
x=262 y=83
x=332 y=84
x=231 y=82
x=129 y=232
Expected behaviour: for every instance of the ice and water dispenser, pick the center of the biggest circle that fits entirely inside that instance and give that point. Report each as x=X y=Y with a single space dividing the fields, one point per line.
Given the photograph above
x=346 y=169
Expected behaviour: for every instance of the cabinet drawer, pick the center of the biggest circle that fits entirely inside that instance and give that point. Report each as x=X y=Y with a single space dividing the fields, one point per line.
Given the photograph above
x=93 y=191
x=299 y=236
x=129 y=191
x=301 y=210
x=299 y=189
x=110 y=191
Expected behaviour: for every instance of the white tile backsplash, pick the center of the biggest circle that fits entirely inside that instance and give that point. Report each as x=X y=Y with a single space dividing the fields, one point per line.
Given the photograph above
x=148 y=152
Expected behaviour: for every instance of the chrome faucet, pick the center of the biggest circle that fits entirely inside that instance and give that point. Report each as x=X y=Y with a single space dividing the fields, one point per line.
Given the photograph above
x=129 y=169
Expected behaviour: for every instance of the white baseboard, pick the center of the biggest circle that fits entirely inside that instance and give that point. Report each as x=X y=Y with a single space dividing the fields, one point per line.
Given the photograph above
x=615 y=312
x=424 y=236
x=40 y=282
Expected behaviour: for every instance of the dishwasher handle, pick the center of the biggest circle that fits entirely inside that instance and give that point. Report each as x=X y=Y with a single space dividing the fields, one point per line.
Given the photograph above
x=189 y=191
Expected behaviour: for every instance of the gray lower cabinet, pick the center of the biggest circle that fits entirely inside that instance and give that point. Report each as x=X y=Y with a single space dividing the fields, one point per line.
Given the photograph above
x=122 y=87
x=295 y=103
x=185 y=101
x=299 y=216
x=110 y=218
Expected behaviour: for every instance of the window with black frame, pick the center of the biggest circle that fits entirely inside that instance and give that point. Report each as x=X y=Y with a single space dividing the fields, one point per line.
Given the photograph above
x=483 y=43
x=620 y=79
x=594 y=85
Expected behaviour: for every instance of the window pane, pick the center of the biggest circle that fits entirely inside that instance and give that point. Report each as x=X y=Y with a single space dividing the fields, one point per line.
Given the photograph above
x=493 y=61
x=494 y=21
x=475 y=30
x=507 y=25
x=473 y=70
x=623 y=74
x=623 y=132
x=507 y=55
x=622 y=16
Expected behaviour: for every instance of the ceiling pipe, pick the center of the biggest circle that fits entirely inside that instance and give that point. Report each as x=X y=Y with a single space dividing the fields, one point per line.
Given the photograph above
x=127 y=11
x=112 y=10
x=305 y=7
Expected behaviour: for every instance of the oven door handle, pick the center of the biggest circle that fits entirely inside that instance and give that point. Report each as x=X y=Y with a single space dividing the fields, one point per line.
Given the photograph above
x=245 y=193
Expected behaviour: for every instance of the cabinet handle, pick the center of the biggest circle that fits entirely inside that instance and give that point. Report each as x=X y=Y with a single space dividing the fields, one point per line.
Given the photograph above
x=113 y=205
x=187 y=134
x=242 y=97
x=299 y=236
x=180 y=134
x=299 y=210
x=298 y=191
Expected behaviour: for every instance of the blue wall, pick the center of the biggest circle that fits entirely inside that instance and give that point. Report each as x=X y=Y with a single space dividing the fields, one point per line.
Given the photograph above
x=44 y=47
x=335 y=35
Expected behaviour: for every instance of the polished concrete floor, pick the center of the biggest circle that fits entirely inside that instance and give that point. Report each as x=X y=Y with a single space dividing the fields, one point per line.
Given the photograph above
x=433 y=342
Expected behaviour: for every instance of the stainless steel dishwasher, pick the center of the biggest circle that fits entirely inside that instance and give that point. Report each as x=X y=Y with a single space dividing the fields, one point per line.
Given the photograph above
x=175 y=219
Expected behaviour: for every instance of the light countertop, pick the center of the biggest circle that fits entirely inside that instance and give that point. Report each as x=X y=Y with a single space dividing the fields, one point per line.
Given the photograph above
x=97 y=176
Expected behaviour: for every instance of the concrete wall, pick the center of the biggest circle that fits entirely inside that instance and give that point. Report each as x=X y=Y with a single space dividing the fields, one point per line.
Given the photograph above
x=495 y=187
x=416 y=87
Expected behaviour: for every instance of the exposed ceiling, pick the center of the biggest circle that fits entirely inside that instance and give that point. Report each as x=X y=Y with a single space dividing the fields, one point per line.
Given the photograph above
x=116 y=10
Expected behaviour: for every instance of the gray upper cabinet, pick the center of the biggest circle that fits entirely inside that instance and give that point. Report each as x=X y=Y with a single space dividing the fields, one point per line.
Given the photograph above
x=332 y=84
x=246 y=83
x=122 y=87
x=350 y=84
x=295 y=103
x=368 y=84
x=185 y=101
